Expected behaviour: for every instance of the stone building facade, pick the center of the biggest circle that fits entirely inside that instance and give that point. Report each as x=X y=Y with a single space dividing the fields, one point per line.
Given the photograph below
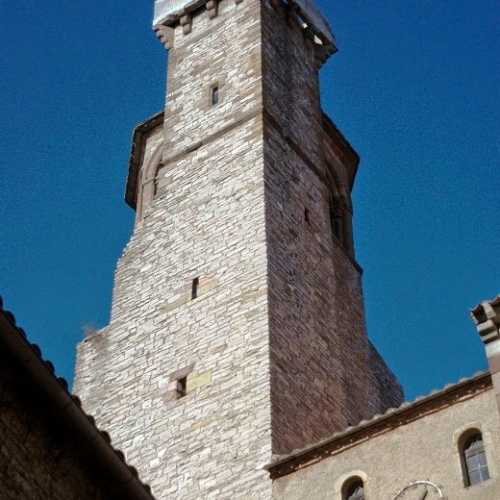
x=445 y=445
x=411 y=453
x=237 y=328
x=237 y=332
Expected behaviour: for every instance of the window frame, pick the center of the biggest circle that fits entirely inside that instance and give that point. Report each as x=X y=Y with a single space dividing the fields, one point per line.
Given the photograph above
x=467 y=441
x=350 y=487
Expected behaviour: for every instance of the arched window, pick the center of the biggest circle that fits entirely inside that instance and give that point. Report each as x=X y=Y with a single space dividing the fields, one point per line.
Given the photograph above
x=354 y=490
x=474 y=459
x=148 y=182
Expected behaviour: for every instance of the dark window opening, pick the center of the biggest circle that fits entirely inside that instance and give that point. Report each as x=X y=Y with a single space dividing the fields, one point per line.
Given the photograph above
x=182 y=387
x=195 y=288
x=306 y=216
x=215 y=95
x=355 y=490
x=475 y=461
x=337 y=227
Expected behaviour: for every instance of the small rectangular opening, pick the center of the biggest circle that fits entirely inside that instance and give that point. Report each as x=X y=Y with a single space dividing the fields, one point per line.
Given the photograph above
x=306 y=216
x=195 y=288
x=215 y=95
x=182 y=387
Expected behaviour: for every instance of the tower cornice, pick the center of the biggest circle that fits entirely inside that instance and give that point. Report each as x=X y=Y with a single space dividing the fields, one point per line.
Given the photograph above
x=170 y=13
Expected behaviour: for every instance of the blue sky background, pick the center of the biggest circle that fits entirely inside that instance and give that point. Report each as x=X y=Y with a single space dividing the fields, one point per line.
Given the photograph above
x=415 y=88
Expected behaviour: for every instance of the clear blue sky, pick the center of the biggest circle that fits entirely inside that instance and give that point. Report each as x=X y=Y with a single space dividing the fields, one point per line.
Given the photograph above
x=415 y=88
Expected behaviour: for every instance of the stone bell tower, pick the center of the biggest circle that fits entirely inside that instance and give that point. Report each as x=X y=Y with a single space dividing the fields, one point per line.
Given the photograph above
x=237 y=328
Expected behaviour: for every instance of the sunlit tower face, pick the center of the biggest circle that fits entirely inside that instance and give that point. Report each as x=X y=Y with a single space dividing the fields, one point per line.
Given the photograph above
x=229 y=313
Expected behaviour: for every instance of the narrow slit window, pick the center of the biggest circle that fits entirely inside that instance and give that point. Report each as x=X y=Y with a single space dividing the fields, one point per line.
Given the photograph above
x=215 y=95
x=195 y=288
x=306 y=216
x=182 y=387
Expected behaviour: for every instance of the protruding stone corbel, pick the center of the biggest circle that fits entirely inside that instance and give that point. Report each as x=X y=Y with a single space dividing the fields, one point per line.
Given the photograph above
x=165 y=34
x=212 y=8
x=186 y=22
x=486 y=316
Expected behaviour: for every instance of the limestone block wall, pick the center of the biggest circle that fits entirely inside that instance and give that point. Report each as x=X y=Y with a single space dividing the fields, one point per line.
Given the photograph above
x=225 y=52
x=425 y=449
x=325 y=373
x=290 y=70
x=207 y=221
x=324 y=376
x=236 y=330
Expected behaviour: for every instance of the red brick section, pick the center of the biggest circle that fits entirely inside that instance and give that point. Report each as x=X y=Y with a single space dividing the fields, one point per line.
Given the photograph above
x=487 y=319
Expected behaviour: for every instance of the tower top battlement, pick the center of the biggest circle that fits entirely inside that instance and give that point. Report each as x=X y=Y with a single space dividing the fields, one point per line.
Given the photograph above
x=168 y=12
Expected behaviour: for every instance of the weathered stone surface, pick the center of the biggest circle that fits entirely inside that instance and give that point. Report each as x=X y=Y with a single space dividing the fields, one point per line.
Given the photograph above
x=325 y=373
x=276 y=338
x=197 y=380
x=422 y=449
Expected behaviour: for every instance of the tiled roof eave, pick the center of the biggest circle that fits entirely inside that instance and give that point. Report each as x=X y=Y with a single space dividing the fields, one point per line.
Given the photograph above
x=282 y=465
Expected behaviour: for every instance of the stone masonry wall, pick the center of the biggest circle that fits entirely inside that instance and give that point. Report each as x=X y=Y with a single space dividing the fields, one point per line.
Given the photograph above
x=38 y=459
x=274 y=318
x=425 y=449
x=323 y=378
x=224 y=51
x=207 y=221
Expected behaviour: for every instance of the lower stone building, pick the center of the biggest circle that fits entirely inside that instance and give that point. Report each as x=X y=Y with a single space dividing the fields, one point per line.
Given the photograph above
x=444 y=445
x=49 y=448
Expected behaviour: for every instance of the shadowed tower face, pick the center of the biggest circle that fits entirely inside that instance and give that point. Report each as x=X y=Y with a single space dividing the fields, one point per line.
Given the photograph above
x=237 y=327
